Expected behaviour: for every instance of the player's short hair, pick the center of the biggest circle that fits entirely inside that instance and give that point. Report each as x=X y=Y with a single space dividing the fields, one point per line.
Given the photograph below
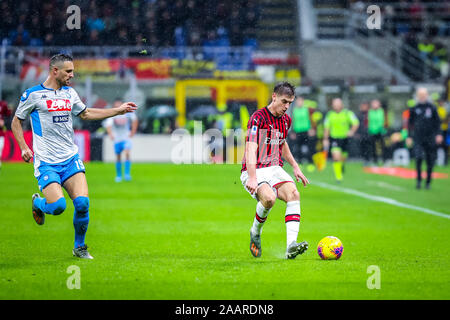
x=60 y=57
x=284 y=88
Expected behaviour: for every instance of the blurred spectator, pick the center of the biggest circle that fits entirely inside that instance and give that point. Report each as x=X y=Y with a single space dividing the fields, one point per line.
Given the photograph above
x=5 y=113
x=160 y=23
x=362 y=133
x=20 y=36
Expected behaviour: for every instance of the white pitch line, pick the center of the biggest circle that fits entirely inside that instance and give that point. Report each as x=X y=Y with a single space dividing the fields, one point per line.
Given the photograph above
x=381 y=199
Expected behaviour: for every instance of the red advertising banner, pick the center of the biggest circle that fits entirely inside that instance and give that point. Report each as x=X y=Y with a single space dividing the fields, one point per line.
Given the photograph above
x=11 y=151
x=82 y=139
x=143 y=68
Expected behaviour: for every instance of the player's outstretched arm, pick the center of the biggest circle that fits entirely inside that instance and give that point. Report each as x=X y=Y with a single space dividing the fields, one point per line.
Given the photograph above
x=16 y=127
x=100 y=114
x=353 y=130
x=134 y=127
x=287 y=155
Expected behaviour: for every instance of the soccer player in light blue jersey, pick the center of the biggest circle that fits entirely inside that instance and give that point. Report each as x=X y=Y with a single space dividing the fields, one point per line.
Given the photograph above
x=120 y=129
x=51 y=106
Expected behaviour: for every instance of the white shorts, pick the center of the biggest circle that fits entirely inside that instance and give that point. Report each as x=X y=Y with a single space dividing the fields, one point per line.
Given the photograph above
x=274 y=176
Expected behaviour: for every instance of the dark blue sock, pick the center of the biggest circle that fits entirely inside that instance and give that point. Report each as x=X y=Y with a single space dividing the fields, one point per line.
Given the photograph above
x=80 y=219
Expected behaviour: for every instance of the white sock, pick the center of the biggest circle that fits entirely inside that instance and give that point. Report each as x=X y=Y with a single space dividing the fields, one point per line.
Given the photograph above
x=292 y=220
x=260 y=218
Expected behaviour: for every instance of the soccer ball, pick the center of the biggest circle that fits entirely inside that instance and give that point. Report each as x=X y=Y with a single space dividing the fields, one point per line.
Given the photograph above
x=330 y=248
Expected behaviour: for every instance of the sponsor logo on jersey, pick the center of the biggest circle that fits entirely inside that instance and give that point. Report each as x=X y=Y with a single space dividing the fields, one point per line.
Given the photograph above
x=61 y=119
x=59 y=105
x=277 y=140
x=120 y=121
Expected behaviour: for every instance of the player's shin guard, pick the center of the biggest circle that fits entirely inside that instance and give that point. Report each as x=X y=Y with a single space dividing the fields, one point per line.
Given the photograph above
x=54 y=208
x=260 y=218
x=80 y=219
x=292 y=219
x=118 y=169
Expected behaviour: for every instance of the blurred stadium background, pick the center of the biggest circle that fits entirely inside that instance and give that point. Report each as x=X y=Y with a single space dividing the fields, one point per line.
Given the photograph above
x=222 y=59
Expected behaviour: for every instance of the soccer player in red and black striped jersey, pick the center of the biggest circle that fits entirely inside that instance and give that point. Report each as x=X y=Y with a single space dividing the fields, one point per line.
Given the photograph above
x=262 y=174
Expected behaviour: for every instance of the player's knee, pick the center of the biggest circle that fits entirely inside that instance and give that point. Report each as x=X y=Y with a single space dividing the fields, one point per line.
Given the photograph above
x=294 y=195
x=58 y=207
x=81 y=204
x=269 y=201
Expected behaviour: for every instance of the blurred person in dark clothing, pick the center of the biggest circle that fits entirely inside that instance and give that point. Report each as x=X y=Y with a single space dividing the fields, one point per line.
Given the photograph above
x=362 y=133
x=424 y=131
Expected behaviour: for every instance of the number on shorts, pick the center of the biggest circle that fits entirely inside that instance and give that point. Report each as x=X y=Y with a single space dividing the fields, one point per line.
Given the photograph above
x=80 y=165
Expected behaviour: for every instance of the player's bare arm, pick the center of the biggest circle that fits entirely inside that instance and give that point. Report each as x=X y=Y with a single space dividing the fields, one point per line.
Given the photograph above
x=109 y=132
x=353 y=130
x=251 y=149
x=326 y=141
x=16 y=127
x=287 y=155
x=100 y=114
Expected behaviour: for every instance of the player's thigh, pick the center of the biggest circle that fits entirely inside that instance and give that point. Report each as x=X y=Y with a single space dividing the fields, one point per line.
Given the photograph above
x=288 y=192
x=266 y=195
x=76 y=185
x=52 y=192
x=336 y=154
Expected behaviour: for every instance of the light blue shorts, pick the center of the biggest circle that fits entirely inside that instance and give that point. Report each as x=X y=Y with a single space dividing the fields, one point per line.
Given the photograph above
x=122 y=145
x=48 y=173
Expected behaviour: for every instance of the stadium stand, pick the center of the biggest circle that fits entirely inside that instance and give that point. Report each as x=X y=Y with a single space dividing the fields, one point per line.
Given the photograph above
x=157 y=23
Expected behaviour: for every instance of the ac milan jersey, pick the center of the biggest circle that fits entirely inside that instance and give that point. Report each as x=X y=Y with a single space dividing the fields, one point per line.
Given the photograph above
x=270 y=133
x=51 y=114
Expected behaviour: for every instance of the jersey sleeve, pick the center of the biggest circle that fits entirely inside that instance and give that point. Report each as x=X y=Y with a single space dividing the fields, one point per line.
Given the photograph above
x=353 y=118
x=108 y=122
x=78 y=106
x=436 y=122
x=26 y=105
x=132 y=116
x=412 y=119
x=253 y=127
x=326 y=122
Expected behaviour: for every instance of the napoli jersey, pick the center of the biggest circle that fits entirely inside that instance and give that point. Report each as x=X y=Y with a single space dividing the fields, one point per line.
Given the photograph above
x=120 y=126
x=51 y=114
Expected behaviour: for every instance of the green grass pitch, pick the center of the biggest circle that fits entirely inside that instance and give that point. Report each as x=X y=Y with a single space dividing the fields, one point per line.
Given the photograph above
x=182 y=232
